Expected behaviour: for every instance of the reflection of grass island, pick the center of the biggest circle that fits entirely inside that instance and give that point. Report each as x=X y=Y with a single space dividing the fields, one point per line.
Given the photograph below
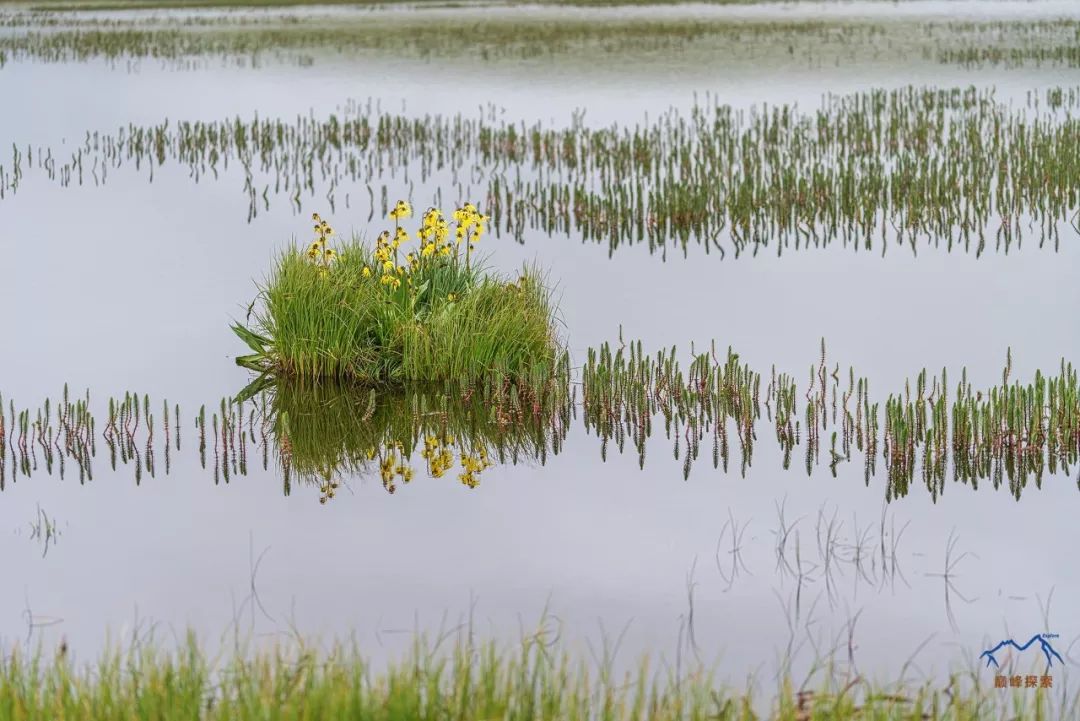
x=388 y=315
x=326 y=430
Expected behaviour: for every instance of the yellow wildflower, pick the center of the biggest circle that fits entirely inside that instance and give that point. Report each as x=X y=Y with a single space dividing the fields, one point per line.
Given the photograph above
x=366 y=272
x=401 y=210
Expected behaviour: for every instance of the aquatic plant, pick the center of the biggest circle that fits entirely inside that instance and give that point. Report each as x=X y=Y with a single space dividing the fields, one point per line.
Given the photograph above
x=386 y=314
x=911 y=167
x=322 y=432
x=194 y=40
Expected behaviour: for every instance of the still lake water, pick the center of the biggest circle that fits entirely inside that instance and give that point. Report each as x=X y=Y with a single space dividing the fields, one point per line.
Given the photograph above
x=133 y=285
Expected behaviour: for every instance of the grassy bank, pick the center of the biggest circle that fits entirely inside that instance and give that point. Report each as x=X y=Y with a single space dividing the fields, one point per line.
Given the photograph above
x=536 y=679
x=387 y=314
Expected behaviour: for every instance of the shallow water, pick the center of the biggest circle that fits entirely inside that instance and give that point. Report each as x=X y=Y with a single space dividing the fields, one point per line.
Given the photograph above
x=133 y=285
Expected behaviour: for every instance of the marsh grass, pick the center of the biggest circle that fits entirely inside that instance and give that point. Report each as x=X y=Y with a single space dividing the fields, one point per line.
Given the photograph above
x=379 y=315
x=457 y=676
x=913 y=167
x=500 y=33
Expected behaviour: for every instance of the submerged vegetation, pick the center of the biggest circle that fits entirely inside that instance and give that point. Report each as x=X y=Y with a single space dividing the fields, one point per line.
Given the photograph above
x=318 y=433
x=952 y=168
x=460 y=677
x=501 y=33
x=387 y=314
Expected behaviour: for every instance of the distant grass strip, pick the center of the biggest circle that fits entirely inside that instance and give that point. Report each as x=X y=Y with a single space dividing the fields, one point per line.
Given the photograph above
x=535 y=679
x=69 y=5
x=382 y=315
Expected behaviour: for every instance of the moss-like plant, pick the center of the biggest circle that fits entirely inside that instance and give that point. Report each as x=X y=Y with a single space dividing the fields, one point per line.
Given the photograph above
x=385 y=315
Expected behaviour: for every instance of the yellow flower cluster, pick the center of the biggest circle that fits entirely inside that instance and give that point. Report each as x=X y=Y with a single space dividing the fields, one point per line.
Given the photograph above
x=470 y=224
x=435 y=231
x=401 y=210
x=438 y=455
x=434 y=237
x=317 y=252
x=386 y=254
x=471 y=466
x=392 y=467
x=327 y=489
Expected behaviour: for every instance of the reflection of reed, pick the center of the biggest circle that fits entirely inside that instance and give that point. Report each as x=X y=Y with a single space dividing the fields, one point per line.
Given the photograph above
x=1014 y=431
x=952 y=168
x=1012 y=434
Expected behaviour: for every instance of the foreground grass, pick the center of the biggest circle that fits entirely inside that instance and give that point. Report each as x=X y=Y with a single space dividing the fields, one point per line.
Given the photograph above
x=534 y=680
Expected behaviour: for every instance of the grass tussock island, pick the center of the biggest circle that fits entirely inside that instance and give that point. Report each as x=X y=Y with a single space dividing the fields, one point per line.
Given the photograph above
x=388 y=314
x=537 y=678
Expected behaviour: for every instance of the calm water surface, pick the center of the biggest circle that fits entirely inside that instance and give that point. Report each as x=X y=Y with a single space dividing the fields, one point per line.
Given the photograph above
x=132 y=286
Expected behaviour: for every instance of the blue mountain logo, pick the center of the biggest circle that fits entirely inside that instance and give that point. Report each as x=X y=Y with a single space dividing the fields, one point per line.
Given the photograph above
x=1040 y=638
